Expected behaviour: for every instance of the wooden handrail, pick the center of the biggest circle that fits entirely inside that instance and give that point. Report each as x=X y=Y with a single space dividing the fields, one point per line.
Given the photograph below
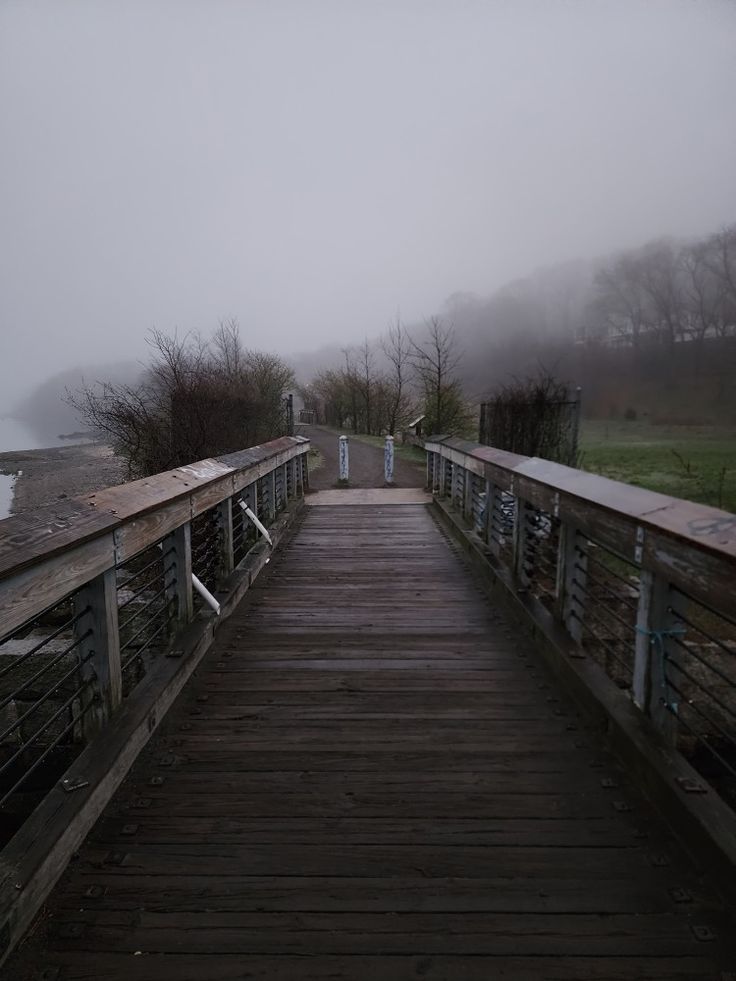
x=71 y=556
x=47 y=554
x=631 y=597
x=693 y=544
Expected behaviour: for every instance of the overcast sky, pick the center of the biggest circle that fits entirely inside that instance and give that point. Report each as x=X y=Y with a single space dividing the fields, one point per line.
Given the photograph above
x=310 y=166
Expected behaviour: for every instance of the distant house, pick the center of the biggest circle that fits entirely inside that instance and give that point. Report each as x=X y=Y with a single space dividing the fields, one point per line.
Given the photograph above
x=414 y=431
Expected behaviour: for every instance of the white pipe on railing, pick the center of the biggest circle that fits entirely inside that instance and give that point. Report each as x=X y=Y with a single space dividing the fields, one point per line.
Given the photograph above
x=256 y=521
x=206 y=594
x=201 y=589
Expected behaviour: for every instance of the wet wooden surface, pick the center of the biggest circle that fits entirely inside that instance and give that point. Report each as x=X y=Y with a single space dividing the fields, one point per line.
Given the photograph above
x=372 y=776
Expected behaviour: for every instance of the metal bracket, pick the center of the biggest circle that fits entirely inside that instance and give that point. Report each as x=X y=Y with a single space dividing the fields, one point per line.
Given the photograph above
x=69 y=784
x=691 y=786
x=639 y=548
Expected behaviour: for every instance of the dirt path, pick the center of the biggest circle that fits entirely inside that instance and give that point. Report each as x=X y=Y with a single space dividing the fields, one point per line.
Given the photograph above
x=366 y=463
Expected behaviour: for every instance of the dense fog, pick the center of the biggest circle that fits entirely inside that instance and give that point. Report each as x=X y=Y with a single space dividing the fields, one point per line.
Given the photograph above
x=313 y=170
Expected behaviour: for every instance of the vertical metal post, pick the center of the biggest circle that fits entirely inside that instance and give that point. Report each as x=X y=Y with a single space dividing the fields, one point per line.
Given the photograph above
x=344 y=456
x=388 y=460
x=273 y=503
x=100 y=650
x=654 y=624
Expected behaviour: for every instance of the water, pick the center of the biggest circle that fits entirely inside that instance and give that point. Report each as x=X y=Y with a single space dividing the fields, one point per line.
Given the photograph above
x=15 y=435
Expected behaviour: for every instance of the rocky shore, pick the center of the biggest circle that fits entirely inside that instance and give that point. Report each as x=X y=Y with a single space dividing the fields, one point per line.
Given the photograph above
x=45 y=476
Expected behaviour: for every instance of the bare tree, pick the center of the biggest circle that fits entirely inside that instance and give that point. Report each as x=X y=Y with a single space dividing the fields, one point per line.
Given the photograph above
x=366 y=383
x=352 y=385
x=722 y=261
x=436 y=360
x=702 y=293
x=620 y=302
x=396 y=345
x=660 y=273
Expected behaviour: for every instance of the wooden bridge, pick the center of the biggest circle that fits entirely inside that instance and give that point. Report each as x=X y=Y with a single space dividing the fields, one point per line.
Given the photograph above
x=482 y=733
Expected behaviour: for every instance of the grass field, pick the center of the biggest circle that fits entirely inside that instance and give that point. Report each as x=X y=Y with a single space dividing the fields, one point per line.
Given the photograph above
x=694 y=462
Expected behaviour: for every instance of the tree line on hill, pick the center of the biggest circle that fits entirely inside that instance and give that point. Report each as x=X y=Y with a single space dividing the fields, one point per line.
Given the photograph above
x=649 y=331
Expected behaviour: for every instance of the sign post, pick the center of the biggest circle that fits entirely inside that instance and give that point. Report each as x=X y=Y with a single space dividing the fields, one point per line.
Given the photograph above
x=344 y=455
x=388 y=460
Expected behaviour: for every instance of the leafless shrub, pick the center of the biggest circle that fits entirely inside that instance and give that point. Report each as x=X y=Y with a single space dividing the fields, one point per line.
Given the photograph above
x=533 y=417
x=198 y=398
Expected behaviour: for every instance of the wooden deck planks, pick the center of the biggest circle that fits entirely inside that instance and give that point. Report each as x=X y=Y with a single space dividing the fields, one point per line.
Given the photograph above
x=372 y=776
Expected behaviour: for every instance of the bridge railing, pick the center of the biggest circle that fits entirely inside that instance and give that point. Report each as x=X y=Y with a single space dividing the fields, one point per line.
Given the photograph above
x=102 y=599
x=641 y=583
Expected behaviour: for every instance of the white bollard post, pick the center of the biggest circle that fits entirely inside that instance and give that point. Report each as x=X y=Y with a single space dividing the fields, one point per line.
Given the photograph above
x=344 y=460
x=388 y=460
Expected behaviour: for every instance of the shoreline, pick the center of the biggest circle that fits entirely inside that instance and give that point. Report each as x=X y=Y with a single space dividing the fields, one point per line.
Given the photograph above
x=45 y=476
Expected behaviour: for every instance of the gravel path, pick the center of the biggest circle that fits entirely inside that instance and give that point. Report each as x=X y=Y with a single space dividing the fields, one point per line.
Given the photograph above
x=366 y=463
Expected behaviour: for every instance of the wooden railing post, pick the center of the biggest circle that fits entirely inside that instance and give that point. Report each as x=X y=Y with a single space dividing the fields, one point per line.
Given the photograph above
x=305 y=472
x=572 y=562
x=483 y=525
x=273 y=503
x=458 y=487
x=654 y=626
x=292 y=483
x=225 y=527
x=468 y=479
x=493 y=508
x=179 y=577
x=99 y=650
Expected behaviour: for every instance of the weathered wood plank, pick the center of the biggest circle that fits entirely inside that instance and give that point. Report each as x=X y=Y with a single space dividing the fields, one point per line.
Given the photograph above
x=348 y=790
x=174 y=966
